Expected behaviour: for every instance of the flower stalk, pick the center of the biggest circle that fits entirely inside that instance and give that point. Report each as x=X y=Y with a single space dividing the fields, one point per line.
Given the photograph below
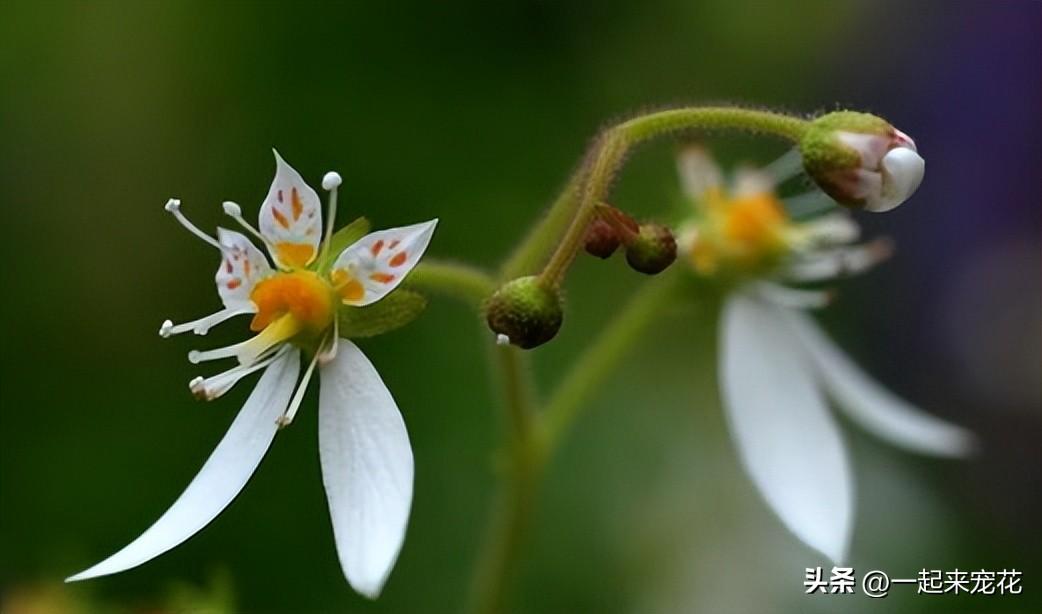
x=611 y=147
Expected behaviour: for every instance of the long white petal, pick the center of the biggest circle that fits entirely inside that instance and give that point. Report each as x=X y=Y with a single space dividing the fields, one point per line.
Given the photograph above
x=222 y=477
x=787 y=440
x=877 y=409
x=367 y=468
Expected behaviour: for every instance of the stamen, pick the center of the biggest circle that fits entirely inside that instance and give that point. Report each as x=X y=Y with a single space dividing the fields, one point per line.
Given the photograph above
x=213 y=387
x=174 y=207
x=827 y=264
x=285 y=419
x=234 y=211
x=203 y=324
x=196 y=356
x=785 y=167
x=793 y=298
x=330 y=182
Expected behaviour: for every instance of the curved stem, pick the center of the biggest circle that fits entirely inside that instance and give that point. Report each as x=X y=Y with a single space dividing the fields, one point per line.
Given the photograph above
x=611 y=148
x=466 y=283
x=601 y=358
x=499 y=557
x=541 y=239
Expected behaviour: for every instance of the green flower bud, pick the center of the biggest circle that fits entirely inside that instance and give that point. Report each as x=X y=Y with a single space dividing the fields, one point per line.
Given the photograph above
x=652 y=249
x=525 y=311
x=861 y=161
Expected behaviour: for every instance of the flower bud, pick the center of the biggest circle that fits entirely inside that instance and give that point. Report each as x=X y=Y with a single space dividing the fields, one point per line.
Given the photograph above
x=526 y=311
x=601 y=239
x=861 y=161
x=652 y=249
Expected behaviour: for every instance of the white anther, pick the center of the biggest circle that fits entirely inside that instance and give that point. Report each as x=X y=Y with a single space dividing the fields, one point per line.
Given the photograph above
x=198 y=387
x=166 y=329
x=331 y=180
x=172 y=205
x=232 y=209
x=502 y=339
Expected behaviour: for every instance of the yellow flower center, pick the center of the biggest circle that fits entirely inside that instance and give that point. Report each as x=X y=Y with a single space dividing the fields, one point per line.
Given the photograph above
x=742 y=234
x=753 y=224
x=304 y=296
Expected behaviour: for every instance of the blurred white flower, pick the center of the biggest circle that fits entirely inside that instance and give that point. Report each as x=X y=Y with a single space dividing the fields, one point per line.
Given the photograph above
x=777 y=367
x=367 y=464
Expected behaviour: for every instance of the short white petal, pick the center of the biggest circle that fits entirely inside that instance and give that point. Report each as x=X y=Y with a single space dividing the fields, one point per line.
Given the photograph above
x=878 y=410
x=291 y=217
x=242 y=266
x=223 y=475
x=380 y=260
x=902 y=171
x=367 y=468
x=787 y=440
x=698 y=172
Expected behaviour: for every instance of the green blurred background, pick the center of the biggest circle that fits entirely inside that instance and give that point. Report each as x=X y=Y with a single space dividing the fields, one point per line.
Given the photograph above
x=475 y=112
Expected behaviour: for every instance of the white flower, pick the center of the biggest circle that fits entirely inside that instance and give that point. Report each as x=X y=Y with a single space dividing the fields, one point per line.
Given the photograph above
x=777 y=367
x=367 y=464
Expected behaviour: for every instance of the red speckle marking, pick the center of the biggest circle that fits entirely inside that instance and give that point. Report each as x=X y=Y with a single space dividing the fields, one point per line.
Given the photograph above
x=228 y=266
x=383 y=278
x=278 y=195
x=394 y=244
x=399 y=259
x=298 y=207
x=280 y=218
x=235 y=283
x=379 y=245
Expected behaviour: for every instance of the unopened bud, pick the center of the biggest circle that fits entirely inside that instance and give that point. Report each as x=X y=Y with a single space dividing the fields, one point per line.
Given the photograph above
x=652 y=249
x=601 y=239
x=525 y=311
x=610 y=228
x=861 y=161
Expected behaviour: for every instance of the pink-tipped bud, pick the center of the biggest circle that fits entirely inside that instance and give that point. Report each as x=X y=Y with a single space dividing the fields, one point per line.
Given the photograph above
x=861 y=161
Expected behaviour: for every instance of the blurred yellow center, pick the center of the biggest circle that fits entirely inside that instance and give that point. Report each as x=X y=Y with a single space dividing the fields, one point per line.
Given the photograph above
x=744 y=234
x=754 y=222
x=303 y=295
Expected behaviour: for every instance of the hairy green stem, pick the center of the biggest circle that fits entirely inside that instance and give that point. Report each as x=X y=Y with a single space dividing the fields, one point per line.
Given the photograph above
x=460 y=281
x=500 y=554
x=610 y=150
x=600 y=358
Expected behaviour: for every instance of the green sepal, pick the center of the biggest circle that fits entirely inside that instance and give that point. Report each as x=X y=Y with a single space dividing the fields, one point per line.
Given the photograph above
x=341 y=240
x=389 y=313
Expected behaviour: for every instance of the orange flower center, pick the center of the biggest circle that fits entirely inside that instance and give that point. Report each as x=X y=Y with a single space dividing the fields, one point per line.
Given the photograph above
x=754 y=222
x=305 y=296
